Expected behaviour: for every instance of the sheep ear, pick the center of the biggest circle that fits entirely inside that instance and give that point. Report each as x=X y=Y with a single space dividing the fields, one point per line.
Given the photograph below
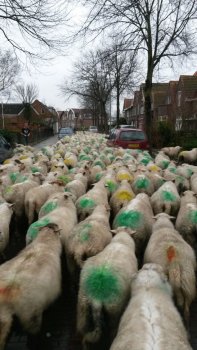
x=67 y=194
x=54 y=227
x=17 y=161
x=114 y=232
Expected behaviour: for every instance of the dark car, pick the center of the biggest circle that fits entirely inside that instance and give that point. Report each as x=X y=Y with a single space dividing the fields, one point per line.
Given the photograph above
x=65 y=132
x=5 y=149
x=128 y=138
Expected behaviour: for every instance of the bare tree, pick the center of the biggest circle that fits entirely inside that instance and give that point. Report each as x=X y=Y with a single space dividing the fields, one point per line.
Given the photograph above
x=9 y=70
x=26 y=93
x=160 y=28
x=91 y=82
x=31 y=24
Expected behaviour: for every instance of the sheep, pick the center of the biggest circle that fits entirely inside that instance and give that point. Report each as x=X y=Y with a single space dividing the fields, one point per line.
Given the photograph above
x=121 y=197
x=30 y=282
x=166 y=199
x=182 y=184
x=55 y=200
x=193 y=181
x=156 y=179
x=162 y=160
x=188 y=156
x=137 y=215
x=87 y=238
x=36 y=197
x=6 y=212
x=171 y=152
x=167 y=248
x=77 y=186
x=105 y=289
x=151 y=320
x=186 y=221
x=123 y=173
x=65 y=217
x=142 y=184
x=86 y=203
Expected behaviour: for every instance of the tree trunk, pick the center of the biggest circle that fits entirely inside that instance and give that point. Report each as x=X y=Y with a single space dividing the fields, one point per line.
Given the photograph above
x=118 y=103
x=148 y=107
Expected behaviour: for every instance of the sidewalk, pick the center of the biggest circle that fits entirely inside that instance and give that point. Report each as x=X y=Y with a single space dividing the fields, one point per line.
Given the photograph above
x=50 y=141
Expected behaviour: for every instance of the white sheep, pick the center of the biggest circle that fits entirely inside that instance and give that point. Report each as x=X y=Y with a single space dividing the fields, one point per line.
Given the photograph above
x=105 y=288
x=121 y=197
x=87 y=238
x=151 y=320
x=172 y=152
x=188 y=156
x=30 y=282
x=186 y=221
x=167 y=248
x=193 y=181
x=137 y=215
x=6 y=212
x=166 y=199
x=142 y=184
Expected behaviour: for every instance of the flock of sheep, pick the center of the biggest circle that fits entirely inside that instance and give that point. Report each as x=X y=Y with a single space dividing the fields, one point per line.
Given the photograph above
x=127 y=225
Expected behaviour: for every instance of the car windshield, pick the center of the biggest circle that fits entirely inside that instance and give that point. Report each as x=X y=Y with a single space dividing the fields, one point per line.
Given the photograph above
x=132 y=135
x=66 y=131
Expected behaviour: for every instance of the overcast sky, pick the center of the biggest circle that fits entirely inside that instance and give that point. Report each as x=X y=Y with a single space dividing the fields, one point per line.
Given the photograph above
x=48 y=76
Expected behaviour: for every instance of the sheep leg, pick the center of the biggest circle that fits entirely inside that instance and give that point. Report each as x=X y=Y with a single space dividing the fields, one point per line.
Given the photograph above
x=5 y=326
x=32 y=324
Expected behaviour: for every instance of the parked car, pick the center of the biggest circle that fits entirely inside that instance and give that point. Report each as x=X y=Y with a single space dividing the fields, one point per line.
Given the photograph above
x=6 y=150
x=128 y=138
x=93 y=129
x=65 y=132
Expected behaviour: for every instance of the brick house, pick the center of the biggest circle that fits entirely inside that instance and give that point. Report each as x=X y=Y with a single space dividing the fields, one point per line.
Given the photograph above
x=127 y=109
x=62 y=119
x=80 y=118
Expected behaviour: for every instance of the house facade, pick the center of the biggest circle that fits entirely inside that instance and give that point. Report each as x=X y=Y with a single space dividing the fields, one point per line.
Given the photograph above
x=80 y=118
x=175 y=102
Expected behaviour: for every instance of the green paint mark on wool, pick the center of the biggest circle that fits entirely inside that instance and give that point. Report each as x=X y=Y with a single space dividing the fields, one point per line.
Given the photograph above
x=165 y=163
x=34 y=228
x=21 y=178
x=84 y=157
x=112 y=186
x=34 y=169
x=168 y=196
x=48 y=207
x=102 y=284
x=13 y=176
x=131 y=218
x=98 y=176
x=84 y=233
x=189 y=171
x=65 y=179
x=99 y=162
x=172 y=170
x=87 y=203
x=193 y=216
x=142 y=183
x=87 y=149
x=144 y=161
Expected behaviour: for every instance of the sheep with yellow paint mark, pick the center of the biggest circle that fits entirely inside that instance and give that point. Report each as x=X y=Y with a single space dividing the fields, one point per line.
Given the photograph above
x=188 y=156
x=167 y=248
x=105 y=289
x=121 y=197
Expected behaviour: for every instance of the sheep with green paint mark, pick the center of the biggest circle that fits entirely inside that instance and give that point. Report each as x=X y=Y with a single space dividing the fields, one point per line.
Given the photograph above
x=96 y=172
x=36 y=197
x=182 y=184
x=185 y=170
x=121 y=197
x=156 y=180
x=142 y=184
x=86 y=203
x=15 y=194
x=166 y=199
x=138 y=216
x=65 y=217
x=105 y=289
x=30 y=282
x=186 y=221
x=87 y=238
x=162 y=160
x=151 y=320
x=55 y=200
x=167 y=248
x=77 y=187
x=6 y=213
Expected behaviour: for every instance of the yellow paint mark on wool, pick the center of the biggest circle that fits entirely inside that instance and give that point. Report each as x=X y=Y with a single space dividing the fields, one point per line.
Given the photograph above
x=7 y=161
x=23 y=157
x=124 y=195
x=124 y=176
x=68 y=161
x=182 y=153
x=154 y=168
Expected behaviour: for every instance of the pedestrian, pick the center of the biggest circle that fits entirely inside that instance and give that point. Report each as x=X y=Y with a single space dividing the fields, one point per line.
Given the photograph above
x=26 y=133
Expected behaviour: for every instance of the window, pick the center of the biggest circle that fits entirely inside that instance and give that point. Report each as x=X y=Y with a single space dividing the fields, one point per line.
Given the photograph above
x=132 y=135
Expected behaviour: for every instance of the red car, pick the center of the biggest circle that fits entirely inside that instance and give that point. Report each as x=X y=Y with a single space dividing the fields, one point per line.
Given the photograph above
x=128 y=138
